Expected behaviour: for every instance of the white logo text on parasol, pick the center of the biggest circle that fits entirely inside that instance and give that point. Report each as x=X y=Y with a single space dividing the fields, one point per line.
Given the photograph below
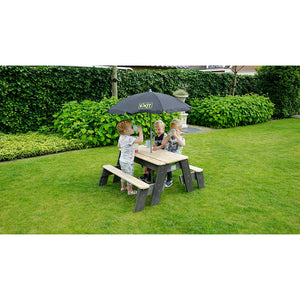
x=146 y=105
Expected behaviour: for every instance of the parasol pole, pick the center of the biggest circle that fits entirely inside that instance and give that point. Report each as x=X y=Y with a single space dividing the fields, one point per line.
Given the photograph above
x=150 y=133
x=150 y=128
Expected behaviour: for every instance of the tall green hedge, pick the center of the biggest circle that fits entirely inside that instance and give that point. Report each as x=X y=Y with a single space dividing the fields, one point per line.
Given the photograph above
x=198 y=84
x=282 y=85
x=30 y=96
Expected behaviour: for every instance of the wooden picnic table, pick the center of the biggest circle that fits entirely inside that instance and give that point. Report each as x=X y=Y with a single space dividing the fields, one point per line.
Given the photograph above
x=163 y=161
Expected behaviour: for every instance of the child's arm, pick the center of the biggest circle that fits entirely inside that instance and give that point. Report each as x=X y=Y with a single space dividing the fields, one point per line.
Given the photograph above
x=140 y=139
x=159 y=147
x=165 y=141
x=180 y=141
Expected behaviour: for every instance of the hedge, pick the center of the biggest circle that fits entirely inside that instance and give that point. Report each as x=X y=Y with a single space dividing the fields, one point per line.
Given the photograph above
x=230 y=111
x=90 y=122
x=30 y=96
x=282 y=85
x=197 y=83
x=14 y=146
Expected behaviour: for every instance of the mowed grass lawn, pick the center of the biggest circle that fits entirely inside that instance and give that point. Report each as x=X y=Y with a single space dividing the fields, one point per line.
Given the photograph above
x=252 y=177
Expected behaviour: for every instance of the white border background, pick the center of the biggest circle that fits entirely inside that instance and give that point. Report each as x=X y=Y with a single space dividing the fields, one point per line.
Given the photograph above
x=84 y=33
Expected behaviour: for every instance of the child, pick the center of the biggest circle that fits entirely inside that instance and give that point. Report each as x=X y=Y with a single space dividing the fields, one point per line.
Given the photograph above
x=126 y=142
x=173 y=142
x=159 y=128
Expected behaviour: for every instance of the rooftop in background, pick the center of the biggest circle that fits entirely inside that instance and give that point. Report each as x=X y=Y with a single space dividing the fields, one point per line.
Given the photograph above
x=241 y=70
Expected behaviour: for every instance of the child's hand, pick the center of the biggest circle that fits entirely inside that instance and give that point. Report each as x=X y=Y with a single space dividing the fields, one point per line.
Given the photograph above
x=171 y=132
x=175 y=133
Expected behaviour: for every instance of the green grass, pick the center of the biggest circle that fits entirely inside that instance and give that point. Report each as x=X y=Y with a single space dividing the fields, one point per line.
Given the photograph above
x=252 y=177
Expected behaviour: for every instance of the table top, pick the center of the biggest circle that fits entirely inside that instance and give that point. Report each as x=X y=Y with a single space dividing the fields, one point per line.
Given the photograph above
x=159 y=157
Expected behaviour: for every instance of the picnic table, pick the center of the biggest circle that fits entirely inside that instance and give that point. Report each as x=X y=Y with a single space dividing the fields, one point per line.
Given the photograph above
x=162 y=161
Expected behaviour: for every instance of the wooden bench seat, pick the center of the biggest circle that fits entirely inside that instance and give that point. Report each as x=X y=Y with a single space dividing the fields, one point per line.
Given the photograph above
x=144 y=189
x=197 y=174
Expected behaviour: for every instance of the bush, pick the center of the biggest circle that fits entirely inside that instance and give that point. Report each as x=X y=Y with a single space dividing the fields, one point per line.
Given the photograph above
x=230 y=111
x=90 y=122
x=282 y=85
x=34 y=144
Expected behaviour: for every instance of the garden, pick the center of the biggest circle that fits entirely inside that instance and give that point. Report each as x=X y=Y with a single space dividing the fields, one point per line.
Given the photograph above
x=251 y=163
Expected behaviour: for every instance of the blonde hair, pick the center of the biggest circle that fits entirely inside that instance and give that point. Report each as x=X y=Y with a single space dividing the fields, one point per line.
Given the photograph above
x=159 y=123
x=176 y=124
x=123 y=126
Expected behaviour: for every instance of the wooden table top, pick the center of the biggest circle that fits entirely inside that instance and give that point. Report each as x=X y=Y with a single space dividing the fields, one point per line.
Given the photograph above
x=159 y=157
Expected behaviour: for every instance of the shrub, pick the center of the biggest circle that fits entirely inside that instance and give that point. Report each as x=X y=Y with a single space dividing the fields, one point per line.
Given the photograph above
x=282 y=85
x=90 y=122
x=230 y=111
x=13 y=146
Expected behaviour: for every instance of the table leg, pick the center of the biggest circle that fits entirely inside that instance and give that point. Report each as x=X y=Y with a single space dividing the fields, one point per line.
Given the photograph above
x=103 y=177
x=116 y=178
x=159 y=185
x=187 y=175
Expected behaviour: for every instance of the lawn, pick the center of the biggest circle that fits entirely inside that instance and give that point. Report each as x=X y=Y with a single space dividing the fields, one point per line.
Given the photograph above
x=252 y=177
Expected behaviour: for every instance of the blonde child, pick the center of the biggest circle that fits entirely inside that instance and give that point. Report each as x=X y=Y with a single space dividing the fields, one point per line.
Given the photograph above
x=126 y=142
x=173 y=142
x=159 y=128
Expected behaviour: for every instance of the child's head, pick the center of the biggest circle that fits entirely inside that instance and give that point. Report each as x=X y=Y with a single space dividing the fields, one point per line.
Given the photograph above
x=159 y=127
x=176 y=124
x=125 y=127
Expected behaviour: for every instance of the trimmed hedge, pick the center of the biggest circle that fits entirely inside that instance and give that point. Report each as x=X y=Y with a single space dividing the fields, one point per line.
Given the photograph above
x=230 y=111
x=198 y=84
x=90 y=122
x=282 y=85
x=30 y=96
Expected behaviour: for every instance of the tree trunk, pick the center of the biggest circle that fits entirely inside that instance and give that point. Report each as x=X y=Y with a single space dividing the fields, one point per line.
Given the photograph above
x=234 y=80
x=114 y=80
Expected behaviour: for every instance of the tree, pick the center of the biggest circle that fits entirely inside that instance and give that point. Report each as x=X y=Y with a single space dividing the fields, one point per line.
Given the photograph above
x=233 y=84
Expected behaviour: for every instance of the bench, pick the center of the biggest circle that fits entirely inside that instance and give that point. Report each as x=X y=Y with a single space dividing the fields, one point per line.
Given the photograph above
x=144 y=189
x=197 y=174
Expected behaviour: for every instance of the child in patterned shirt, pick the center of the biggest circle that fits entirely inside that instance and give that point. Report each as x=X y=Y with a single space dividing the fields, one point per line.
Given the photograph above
x=126 y=142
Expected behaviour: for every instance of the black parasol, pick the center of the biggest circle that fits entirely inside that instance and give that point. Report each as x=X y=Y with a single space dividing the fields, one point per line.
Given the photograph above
x=149 y=102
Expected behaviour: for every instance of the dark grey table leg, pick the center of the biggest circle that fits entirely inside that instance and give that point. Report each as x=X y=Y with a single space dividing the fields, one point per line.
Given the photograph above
x=116 y=178
x=104 y=177
x=159 y=184
x=141 y=198
x=200 y=180
x=187 y=175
